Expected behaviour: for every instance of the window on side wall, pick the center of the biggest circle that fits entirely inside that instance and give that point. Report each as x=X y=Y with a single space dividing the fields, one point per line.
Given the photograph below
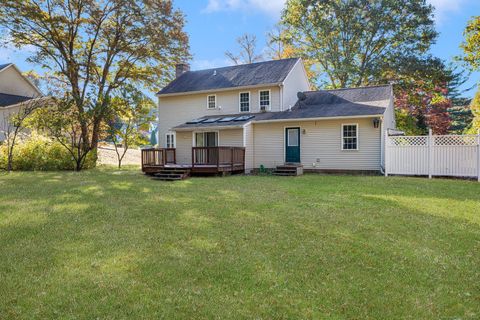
x=264 y=96
x=350 y=136
x=244 y=101
x=170 y=140
x=212 y=101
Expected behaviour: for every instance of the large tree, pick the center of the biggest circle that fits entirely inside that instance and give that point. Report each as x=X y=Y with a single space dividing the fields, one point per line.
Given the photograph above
x=353 y=41
x=96 y=47
x=247 y=50
x=471 y=58
x=471 y=45
x=130 y=119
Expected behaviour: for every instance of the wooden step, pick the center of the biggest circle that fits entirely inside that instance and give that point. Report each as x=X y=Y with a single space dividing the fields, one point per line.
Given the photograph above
x=171 y=175
x=285 y=174
x=288 y=170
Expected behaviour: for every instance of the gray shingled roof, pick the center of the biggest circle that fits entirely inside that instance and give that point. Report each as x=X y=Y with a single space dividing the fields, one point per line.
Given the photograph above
x=3 y=66
x=10 y=99
x=352 y=102
x=268 y=72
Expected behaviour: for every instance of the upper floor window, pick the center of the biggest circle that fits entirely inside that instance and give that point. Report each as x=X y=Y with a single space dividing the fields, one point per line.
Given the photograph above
x=211 y=101
x=170 y=140
x=349 y=136
x=244 y=101
x=264 y=96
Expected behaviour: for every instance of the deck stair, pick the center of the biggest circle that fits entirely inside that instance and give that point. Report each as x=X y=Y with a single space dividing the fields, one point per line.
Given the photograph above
x=288 y=170
x=172 y=174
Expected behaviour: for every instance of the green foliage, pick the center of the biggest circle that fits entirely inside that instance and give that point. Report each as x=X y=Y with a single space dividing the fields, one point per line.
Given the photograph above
x=129 y=121
x=40 y=153
x=407 y=123
x=95 y=47
x=353 y=42
x=462 y=117
x=475 y=108
x=471 y=45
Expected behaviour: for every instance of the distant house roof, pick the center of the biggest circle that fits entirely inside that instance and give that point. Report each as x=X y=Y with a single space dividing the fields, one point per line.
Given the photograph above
x=3 y=66
x=354 y=102
x=253 y=74
x=10 y=99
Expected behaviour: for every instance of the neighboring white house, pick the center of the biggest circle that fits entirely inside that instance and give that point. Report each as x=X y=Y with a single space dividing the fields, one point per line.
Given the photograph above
x=268 y=108
x=15 y=91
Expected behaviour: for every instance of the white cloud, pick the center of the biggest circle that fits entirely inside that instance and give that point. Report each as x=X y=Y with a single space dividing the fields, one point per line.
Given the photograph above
x=271 y=7
x=443 y=8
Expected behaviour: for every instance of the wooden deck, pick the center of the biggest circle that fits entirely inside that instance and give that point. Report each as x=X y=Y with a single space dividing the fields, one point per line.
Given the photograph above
x=205 y=160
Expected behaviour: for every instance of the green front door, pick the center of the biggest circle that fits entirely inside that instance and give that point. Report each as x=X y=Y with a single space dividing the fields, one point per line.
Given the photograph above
x=292 y=145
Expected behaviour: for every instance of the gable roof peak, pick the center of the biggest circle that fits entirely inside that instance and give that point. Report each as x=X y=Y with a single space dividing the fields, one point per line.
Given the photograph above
x=244 y=75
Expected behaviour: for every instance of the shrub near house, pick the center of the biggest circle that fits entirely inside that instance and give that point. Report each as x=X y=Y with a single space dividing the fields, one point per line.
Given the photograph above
x=39 y=153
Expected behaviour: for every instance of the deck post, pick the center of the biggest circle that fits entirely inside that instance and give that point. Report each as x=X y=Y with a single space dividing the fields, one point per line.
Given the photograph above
x=232 y=150
x=193 y=158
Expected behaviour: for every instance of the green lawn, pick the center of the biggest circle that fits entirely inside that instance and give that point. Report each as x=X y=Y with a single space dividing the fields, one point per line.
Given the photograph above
x=111 y=244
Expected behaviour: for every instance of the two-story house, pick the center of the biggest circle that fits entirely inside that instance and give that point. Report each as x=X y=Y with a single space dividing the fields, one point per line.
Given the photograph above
x=15 y=91
x=268 y=109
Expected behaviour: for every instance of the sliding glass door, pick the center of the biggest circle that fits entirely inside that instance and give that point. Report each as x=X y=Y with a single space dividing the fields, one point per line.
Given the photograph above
x=206 y=155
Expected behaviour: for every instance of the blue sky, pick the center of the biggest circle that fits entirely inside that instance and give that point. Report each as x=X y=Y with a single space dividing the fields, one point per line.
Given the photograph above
x=213 y=26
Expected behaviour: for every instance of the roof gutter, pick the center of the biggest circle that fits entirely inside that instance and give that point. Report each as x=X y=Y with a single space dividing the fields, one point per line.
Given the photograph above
x=161 y=95
x=209 y=128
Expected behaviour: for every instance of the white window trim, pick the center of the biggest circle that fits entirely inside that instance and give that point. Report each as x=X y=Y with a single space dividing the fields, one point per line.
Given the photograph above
x=208 y=104
x=240 y=102
x=203 y=131
x=356 y=136
x=173 y=134
x=269 y=107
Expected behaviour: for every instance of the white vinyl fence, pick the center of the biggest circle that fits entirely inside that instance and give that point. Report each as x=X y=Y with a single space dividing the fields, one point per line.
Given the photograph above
x=433 y=155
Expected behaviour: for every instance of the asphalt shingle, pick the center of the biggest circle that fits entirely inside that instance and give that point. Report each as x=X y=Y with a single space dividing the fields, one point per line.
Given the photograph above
x=10 y=99
x=268 y=72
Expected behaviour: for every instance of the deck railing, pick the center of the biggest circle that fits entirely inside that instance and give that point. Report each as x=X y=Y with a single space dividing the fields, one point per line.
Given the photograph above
x=158 y=157
x=218 y=156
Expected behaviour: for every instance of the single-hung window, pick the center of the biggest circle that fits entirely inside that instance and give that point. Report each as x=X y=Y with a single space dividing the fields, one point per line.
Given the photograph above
x=170 y=140
x=244 y=101
x=211 y=101
x=350 y=137
x=264 y=99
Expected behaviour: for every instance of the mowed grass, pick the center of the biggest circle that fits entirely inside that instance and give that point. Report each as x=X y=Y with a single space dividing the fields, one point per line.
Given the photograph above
x=109 y=244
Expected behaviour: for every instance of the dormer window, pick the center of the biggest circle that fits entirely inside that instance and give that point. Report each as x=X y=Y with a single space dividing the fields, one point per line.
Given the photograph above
x=264 y=96
x=244 y=101
x=212 y=101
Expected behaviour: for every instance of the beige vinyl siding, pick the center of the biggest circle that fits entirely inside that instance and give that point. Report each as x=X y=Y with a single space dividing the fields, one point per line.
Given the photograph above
x=249 y=147
x=176 y=110
x=321 y=141
x=296 y=81
x=231 y=138
x=5 y=115
x=12 y=82
x=184 y=147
